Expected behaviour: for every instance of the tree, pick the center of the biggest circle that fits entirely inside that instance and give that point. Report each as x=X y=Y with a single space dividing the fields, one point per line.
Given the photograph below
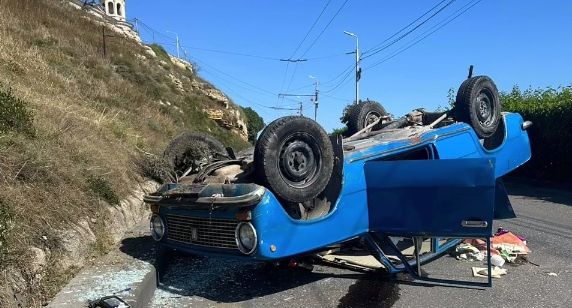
x=254 y=123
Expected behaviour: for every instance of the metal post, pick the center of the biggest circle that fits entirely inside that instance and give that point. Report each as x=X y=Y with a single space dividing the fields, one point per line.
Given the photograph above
x=316 y=102
x=301 y=109
x=178 y=46
x=178 y=56
x=137 y=26
x=358 y=73
x=104 y=47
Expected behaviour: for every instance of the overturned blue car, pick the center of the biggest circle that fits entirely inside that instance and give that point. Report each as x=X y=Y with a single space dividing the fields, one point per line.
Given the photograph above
x=405 y=190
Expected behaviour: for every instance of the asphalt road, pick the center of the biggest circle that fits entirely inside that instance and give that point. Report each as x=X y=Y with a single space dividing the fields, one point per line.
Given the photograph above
x=545 y=220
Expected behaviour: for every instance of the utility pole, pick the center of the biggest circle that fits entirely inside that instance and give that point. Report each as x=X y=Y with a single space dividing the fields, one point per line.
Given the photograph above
x=137 y=26
x=298 y=96
x=178 y=46
x=358 y=70
x=316 y=103
x=315 y=98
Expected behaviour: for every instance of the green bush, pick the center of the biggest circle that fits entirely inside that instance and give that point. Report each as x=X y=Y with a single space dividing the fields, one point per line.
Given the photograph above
x=14 y=114
x=101 y=188
x=160 y=52
x=340 y=131
x=254 y=123
x=550 y=110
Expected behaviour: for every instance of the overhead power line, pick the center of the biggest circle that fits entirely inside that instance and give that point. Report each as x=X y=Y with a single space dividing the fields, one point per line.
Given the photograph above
x=301 y=42
x=402 y=29
x=326 y=27
x=342 y=82
x=311 y=28
x=314 y=42
x=380 y=49
x=266 y=92
x=421 y=37
x=229 y=89
x=339 y=99
x=349 y=68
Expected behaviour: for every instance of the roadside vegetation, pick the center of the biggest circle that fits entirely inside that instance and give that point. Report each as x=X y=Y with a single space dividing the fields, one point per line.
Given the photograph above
x=74 y=126
x=255 y=124
x=550 y=110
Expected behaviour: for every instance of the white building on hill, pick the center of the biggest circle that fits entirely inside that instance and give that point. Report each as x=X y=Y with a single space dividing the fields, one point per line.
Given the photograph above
x=114 y=8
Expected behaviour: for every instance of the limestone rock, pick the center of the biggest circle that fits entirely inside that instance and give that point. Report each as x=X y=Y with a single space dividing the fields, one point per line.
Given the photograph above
x=149 y=51
x=38 y=260
x=177 y=82
x=182 y=64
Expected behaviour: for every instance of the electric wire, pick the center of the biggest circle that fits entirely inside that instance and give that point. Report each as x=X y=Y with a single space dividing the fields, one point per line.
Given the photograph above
x=231 y=90
x=349 y=68
x=380 y=49
x=326 y=27
x=396 y=33
x=264 y=92
x=303 y=40
x=337 y=98
x=311 y=28
x=342 y=82
x=415 y=41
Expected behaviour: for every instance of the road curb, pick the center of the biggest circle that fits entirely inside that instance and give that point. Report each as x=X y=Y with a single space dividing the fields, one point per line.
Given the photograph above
x=131 y=271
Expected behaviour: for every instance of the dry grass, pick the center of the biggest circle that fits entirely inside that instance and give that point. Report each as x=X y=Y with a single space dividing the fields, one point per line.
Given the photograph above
x=91 y=117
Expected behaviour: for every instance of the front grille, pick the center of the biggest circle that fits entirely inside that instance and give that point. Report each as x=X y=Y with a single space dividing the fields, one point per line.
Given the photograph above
x=202 y=231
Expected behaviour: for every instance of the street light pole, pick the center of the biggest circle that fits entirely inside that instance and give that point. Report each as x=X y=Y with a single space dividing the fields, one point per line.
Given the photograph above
x=315 y=99
x=177 y=42
x=358 y=71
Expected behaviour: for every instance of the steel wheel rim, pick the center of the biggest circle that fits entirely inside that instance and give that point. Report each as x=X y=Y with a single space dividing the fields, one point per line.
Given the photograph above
x=299 y=161
x=484 y=105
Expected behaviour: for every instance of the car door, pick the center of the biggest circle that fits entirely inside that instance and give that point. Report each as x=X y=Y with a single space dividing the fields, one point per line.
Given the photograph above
x=431 y=198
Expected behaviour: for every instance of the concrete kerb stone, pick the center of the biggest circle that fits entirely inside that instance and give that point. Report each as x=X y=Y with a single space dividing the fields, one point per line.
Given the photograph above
x=130 y=271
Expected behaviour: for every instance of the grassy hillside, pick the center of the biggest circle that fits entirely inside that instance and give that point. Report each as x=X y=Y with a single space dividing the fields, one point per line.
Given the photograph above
x=85 y=120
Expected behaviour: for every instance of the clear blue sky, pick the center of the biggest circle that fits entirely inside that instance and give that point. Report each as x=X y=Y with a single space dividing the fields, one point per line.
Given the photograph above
x=516 y=42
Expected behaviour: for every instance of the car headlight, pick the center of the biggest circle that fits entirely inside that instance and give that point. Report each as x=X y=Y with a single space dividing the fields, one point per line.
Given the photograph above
x=157 y=227
x=246 y=239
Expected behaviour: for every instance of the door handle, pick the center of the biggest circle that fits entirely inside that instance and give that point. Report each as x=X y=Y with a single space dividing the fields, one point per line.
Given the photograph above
x=474 y=223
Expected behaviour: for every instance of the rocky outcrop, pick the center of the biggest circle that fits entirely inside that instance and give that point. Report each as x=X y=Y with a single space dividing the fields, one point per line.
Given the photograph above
x=229 y=115
x=182 y=64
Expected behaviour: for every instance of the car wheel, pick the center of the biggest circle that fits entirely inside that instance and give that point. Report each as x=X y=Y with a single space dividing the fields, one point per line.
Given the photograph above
x=295 y=158
x=478 y=105
x=364 y=114
x=190 y=148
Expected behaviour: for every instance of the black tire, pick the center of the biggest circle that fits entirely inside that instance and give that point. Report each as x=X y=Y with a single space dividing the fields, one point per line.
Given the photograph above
x=294 y=158
x=478 y=105
x=364 y=114
x=189 y=147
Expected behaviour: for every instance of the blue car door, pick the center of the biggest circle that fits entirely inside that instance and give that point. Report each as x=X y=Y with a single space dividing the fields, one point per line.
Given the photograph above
x=431 y=198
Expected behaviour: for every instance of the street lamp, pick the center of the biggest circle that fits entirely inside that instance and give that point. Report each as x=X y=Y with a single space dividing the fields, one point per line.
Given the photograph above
x=177 y=42
x=315 y=99
x=358 y=71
